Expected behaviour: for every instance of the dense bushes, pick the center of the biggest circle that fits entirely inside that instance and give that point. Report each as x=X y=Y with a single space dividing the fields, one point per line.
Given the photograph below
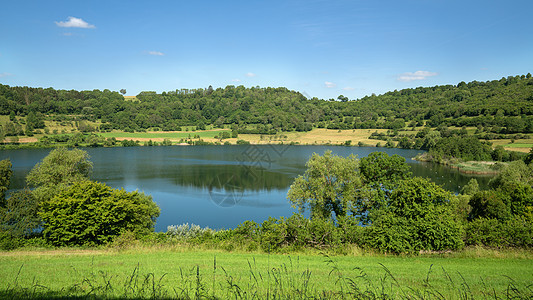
x=514 y=232
x=93 y=213
x=380 y=206
x=465 y=148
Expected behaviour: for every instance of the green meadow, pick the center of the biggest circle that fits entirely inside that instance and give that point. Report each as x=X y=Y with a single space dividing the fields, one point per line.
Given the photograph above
x=164 y=135
x=182 y=272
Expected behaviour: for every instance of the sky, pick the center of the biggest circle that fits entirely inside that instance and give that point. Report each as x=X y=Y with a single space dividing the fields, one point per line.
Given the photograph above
x=320 y=48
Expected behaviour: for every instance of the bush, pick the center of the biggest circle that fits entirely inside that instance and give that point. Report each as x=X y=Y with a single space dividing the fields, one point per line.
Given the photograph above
x=242 y=142
x=515 y=232
x=419 y=216
x=92 y=213
x=186 y=231
x=19 y=218
x=9 y=242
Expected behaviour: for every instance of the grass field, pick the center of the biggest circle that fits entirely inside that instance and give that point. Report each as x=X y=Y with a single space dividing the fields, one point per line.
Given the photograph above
x=519 y=145
x=317 y=136
x=185 y=272
x=158 y=136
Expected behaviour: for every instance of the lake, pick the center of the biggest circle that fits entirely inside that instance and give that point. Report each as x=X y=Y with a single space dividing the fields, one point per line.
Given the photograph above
x=218 y=186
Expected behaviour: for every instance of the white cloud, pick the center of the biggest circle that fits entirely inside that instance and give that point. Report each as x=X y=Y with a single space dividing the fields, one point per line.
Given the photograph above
x=418 y=75
x=330 y=85
x=156 y=53
x=250 y=74
x=236 y=80
x=5 y=74
x=348 y=88
x=75 y=22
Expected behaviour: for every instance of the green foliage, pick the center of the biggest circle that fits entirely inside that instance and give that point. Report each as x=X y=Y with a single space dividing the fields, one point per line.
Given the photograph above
x=417 y=217
x=466 y=148
x=514 y=232
x=511 y=194
x=378 y=168
x=499 y=106
x=329 y=185
x=93 y=213
x=513 y=173
x=186 y=231
x=529 y=158
x=34 y=120
x=297 y=232
x=380 y=174
x=489 y=204
x=470 y=188
x=59 y=169
x=9 y=242
x=20 y=216
x=5 y=178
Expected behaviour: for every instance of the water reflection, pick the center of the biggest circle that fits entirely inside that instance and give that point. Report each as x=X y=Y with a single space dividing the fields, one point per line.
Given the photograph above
x=218 y=186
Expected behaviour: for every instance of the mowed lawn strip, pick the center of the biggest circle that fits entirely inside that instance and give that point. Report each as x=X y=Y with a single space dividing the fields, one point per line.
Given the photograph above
x=58 y=270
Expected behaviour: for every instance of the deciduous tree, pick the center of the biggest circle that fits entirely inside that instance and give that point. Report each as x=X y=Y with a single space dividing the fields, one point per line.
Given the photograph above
x=93 y=213
x=328 y=187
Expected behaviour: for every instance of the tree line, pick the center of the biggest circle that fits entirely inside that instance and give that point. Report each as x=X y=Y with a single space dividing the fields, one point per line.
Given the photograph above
x=373 y=202
x=498 y=106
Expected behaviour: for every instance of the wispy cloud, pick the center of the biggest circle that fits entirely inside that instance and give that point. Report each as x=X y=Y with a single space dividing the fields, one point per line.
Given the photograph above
x=156 y=53
x=348 y=88
x=74 y=22
x=418 y=75
x=236 y=80
x=250 y=74
x=5 y=74
x=330 y=85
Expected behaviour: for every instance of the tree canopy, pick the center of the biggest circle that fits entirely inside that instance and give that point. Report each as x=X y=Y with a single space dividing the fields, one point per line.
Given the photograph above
x=5 y=178
x=328 y=186
x=93 y=213
x=59 y=169
x=498 y=106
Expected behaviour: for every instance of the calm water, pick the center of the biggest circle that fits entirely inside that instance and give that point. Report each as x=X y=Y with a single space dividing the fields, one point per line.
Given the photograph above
x=217 y=186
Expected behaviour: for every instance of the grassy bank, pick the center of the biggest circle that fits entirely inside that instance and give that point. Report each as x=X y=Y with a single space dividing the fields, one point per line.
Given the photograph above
x=466 y=167
x=182 y=272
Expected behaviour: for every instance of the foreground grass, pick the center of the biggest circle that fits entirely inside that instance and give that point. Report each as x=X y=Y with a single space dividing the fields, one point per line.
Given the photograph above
x=182 y=272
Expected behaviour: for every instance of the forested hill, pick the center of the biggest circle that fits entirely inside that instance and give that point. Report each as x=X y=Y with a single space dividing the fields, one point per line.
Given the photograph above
x=506 y=103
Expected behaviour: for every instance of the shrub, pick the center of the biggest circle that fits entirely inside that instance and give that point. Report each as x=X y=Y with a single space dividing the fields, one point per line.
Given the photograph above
x=91 y=213
x=418 y=217
x=186 y=231
x=515 y=232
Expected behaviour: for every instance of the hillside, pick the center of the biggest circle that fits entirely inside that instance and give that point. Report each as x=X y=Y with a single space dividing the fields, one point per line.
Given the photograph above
x=494 y=110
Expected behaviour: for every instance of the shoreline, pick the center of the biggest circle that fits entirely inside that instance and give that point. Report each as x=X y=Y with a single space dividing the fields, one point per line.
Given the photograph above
x=468 y=167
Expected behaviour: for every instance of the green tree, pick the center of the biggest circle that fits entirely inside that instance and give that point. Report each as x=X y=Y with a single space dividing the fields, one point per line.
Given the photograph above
x=20 y=215
x=5 y=178
x=471 y=188
x=92 y=213
x=380 y=174
x=529 y=158
x=418 y=217
x=328 y=186
x=58 y=170
x=34 y=120
x=489 y=204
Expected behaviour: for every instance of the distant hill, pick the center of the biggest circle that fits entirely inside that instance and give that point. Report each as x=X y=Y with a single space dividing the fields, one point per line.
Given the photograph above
x=499 y=106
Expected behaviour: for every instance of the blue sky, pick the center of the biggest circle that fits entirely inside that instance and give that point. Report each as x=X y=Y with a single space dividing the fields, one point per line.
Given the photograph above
x=320 y=48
